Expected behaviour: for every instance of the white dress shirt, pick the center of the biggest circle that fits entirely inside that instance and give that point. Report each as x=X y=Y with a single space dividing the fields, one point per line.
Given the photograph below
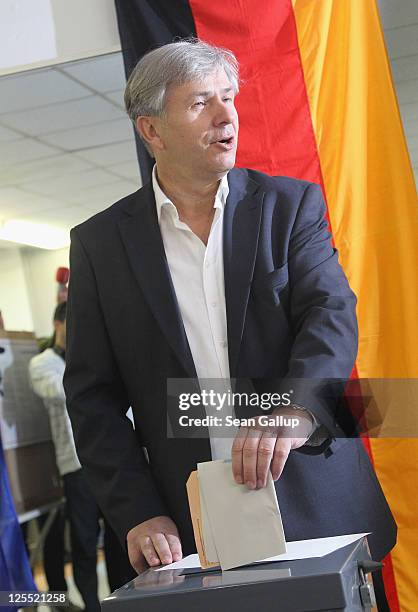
x=197 y=272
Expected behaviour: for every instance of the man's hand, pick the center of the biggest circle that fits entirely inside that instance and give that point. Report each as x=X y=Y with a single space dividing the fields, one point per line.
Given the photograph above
x=153 y=542
x=257 y=449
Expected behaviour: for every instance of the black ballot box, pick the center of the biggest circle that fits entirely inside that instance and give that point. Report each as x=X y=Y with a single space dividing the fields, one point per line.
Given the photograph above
x=337 y=581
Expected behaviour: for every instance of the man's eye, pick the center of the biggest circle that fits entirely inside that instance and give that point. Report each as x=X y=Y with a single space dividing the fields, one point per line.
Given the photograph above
x=200 y=103
x=228 y=99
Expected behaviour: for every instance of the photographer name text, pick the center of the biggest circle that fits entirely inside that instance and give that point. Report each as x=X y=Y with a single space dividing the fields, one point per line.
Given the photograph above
x=276 y=421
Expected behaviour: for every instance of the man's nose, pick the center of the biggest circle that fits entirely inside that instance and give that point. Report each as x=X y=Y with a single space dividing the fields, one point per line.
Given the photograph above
x=224 y=112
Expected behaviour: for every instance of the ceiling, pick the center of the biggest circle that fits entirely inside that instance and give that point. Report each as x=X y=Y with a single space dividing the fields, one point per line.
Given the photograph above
x=66 y=144
x=67 y=148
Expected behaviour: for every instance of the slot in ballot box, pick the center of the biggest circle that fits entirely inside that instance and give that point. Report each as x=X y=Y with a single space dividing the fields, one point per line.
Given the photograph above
x=336 y=581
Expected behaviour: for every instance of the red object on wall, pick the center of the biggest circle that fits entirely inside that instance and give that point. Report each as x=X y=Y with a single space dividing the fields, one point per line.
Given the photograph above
x=62 y=277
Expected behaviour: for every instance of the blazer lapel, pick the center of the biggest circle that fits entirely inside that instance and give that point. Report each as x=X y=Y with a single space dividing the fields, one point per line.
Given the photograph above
x=241 y=229
x=144 y=246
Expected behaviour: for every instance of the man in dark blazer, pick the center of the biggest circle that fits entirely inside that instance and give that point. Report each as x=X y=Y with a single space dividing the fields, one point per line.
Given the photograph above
x=286 y=308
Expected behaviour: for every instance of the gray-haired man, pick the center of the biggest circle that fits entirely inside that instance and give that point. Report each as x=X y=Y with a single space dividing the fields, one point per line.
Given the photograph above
x=213 y=272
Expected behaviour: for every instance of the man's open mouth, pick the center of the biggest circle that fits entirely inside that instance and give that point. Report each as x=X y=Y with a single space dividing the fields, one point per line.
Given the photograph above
x=227 y=143
x=226 y=140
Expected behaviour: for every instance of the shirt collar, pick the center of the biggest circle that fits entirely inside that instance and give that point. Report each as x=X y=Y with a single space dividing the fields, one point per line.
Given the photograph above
x=161 y=199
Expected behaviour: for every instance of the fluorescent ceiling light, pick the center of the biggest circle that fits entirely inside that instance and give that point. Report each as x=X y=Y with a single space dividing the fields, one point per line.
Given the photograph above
x=34 y=234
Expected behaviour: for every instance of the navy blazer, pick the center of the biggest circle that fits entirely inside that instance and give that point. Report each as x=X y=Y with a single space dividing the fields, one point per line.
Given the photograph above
x=290 y=315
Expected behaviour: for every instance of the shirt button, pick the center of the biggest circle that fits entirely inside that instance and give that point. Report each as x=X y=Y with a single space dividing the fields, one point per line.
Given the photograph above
x=214 y=304
x=223 y=343
x=207 y=264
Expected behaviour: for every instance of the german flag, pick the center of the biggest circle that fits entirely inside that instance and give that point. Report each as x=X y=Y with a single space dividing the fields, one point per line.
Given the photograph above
x=317 y=102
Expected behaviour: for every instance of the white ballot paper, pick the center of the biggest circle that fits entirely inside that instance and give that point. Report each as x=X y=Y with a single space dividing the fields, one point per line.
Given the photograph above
x=301 y=549
x=240 y=525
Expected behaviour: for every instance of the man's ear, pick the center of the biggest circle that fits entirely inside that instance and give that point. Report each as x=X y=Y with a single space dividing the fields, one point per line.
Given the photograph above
x=148 y=128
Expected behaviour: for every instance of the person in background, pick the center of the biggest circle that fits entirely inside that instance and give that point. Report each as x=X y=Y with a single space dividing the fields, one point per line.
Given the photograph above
x=46 y=373
x=61 y=276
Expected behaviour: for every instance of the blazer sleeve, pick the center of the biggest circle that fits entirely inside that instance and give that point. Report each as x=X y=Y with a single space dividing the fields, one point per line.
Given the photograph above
x=97 y=403
x=323 y=315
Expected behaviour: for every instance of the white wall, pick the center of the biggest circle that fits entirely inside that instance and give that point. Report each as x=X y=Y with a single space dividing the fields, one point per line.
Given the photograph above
x=28 y=290
x=14 y=296
x=39 y=267
x=55 y=31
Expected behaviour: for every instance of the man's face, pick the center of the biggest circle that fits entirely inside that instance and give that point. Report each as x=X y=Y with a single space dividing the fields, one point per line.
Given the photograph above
x=199 y=131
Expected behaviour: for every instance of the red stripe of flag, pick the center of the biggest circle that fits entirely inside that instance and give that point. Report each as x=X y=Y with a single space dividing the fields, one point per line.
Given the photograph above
x=276 y=135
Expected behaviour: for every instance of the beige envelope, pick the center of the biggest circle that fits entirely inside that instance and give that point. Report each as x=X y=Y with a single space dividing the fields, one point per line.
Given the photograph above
x=208 y=540
x=195 y=512
x=245 y=525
